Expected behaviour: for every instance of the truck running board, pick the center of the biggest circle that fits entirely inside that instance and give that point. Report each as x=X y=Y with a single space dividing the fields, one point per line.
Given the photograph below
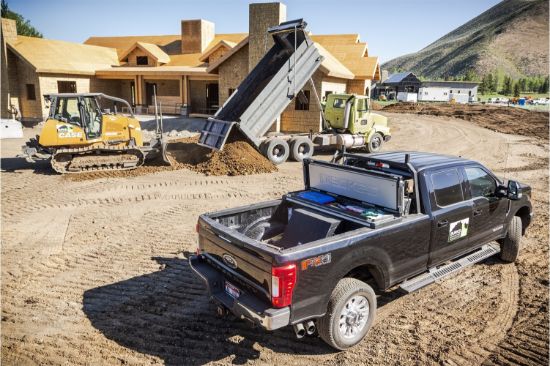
x=438 y=273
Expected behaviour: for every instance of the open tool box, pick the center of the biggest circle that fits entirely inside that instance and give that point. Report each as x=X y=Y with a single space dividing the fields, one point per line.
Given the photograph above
x=367 y=197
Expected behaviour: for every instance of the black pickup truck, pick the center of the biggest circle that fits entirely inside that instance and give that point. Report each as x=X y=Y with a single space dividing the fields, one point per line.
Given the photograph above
x=315 y=258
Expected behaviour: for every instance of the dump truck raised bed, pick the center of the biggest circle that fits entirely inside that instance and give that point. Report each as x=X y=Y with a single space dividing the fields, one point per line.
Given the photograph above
x=316 y=258
x=270 y=87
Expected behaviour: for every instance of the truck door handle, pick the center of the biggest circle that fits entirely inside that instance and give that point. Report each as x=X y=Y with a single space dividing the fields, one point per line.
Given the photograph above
x=442 y=223
x=478 y=212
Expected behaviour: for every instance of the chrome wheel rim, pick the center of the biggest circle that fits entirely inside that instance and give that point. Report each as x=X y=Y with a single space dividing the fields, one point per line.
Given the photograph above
x=353 y=317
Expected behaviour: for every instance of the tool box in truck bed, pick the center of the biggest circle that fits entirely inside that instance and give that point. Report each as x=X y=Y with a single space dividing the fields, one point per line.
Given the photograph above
x=373 y=222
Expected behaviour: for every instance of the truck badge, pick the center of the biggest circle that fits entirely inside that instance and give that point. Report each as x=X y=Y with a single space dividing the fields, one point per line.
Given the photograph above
x=230 y=261
x=315 y=261
x=458 y=229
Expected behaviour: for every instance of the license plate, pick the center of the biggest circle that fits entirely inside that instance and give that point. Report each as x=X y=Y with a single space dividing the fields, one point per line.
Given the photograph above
x=233 y=291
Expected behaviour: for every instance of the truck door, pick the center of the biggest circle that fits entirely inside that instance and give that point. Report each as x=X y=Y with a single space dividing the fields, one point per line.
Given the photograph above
x=489 y=210
x=451 y=215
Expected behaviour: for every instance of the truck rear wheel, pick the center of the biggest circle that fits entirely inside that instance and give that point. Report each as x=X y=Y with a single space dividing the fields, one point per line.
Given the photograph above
x=276 y=150
x=375 y=142
x=350 y=314
x=509 y=247
x=301 y=148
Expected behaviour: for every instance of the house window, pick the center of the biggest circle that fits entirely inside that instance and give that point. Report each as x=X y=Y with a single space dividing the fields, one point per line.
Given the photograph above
x=451 y=91
x=302 y=101
x=31 y=93
x=66 y=86
x=231 y=91
x=142 y=61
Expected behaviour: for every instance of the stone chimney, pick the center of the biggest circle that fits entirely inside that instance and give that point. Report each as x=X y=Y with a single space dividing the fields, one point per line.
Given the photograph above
x=196 y=35
x=260 y=17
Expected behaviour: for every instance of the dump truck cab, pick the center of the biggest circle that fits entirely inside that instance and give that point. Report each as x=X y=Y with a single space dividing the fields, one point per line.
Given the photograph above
x=351 y=113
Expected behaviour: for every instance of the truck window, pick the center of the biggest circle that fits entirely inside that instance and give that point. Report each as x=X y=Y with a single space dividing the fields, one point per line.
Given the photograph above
x=481 y=183
x=447 y=188
x=339 y=103
x=361 y=105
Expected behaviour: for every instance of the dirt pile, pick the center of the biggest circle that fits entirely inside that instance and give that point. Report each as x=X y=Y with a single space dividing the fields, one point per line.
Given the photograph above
x=509 y=120
x=238 y=157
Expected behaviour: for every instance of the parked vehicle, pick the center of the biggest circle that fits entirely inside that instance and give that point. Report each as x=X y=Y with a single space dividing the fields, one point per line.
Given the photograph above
x=270 y=87
x=316 y=258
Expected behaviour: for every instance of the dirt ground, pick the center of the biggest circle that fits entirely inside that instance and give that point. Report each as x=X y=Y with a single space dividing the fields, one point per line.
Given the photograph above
x=497 y=118
x=94 y=271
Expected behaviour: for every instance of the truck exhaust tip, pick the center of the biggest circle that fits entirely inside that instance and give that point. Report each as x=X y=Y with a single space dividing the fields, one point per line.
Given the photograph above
x=310 y=327
x=299 y=330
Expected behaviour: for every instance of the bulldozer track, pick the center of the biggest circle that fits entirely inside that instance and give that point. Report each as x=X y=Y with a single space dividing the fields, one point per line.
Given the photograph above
x=93 y=159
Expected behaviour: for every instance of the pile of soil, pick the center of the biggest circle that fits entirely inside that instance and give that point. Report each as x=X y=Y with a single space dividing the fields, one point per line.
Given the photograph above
x=238 y=157
x=509 y=120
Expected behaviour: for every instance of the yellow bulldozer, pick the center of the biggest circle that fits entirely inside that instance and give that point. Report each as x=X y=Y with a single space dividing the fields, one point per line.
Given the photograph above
x=80 y=136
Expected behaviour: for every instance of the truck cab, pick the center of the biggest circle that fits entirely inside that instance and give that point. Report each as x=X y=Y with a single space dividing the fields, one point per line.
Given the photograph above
x=351 y=113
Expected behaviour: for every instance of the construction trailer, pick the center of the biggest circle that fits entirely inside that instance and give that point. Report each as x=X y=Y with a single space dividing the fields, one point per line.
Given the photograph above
x=269 y=88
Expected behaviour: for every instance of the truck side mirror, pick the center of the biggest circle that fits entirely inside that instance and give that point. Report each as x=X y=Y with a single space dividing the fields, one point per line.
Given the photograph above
x=514 y=190
x=501 y=191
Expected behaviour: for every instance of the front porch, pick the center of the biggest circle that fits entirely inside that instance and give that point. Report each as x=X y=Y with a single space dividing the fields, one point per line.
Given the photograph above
x=193 y=95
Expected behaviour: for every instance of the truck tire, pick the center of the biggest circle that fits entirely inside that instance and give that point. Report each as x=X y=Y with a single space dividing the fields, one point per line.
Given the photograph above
x=509 y=247
x=301 y=148
x=277 y=150
x=350 y=314
x=375 y=142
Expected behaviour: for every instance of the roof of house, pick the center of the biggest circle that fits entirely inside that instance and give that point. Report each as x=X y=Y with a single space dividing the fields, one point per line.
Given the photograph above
x=397 y=78
x=152 y=49
x=344 y=56
x=170 y=44
x=332 y=66
x=450 y=84
x=52 y=56
x=221 y=44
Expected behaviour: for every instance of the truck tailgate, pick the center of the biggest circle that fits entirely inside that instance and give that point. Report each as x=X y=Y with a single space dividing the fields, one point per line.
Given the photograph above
x=243 y=265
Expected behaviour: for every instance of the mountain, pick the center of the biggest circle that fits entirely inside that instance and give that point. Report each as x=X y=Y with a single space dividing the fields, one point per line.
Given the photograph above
x=511 y=37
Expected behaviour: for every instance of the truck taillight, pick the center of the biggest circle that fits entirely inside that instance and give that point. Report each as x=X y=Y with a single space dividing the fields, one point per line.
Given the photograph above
x=283 y=280
x=197 y=226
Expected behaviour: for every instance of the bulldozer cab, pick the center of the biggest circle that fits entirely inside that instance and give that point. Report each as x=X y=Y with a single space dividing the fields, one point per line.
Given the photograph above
x=79 y=110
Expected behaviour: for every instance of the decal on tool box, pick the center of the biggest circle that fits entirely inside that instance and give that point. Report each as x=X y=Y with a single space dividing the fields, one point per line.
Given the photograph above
x=315 y=261
x=458 y=229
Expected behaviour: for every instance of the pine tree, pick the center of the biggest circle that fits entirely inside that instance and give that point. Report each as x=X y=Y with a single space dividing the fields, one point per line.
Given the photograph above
x=544 y=88
x=507 y=86
x=494 y=86
x=24 y=27
x=516 y=90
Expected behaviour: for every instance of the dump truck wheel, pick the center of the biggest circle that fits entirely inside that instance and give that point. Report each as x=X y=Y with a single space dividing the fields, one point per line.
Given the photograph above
x=301 y=148
x=510 y=245
x=350 y=314
x=277 y=150
x=375 y=143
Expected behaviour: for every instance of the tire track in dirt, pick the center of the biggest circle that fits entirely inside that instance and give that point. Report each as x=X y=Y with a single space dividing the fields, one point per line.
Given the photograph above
x=121 y=291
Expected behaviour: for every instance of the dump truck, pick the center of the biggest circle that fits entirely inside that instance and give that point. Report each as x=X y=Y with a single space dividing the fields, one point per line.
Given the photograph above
x=78 y=136
x=316 y=258
x=269 y=88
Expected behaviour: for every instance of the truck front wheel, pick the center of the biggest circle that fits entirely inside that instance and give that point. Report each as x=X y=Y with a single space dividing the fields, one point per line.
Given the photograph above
x=375 y=142
x=276 y=150
x=509 y=247
x=350 y=314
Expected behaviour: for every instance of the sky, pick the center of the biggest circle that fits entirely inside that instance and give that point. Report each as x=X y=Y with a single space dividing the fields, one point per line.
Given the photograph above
x=391 y=28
